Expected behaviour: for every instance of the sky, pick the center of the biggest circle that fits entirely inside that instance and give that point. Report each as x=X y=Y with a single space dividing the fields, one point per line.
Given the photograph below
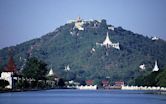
x=23 y=20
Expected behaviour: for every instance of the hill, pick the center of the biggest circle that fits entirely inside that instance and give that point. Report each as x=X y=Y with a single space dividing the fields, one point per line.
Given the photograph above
x=77 y=44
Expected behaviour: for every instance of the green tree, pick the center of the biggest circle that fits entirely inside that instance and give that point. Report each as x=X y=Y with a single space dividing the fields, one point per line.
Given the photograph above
x=3 y=83
x=161 y=79
x=139 y=81
x=35 y=69
x=150 y=80
x=61 y=83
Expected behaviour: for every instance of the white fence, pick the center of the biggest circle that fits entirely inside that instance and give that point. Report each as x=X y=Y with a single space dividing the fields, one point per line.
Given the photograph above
x=91 y=87
x=142 y=88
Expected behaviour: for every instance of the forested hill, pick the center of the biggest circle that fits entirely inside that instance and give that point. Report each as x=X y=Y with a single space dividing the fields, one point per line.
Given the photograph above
x=78 y=46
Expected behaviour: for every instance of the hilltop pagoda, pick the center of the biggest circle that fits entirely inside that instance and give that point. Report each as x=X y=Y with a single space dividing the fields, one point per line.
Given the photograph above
x=79 y=24
x=107 y=43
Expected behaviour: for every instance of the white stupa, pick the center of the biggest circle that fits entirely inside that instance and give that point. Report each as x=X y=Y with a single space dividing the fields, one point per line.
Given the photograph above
x=92 y=50
x=51 y=73
x=67 y=68
x=142 y=67
x=107 y=43
x=155 y=38
x=156 y=68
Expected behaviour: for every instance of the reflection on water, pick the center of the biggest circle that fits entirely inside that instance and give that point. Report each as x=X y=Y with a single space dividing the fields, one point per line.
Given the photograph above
x=81 y=97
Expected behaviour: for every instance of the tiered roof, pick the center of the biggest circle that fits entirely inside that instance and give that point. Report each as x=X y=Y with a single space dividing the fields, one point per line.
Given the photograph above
x=11 y=67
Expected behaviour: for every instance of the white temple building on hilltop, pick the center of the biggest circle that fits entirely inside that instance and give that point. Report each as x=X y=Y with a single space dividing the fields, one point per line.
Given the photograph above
x=79 y=24
x=110 y=27
x=156 y=68
x=107 y=43
x=155 y=38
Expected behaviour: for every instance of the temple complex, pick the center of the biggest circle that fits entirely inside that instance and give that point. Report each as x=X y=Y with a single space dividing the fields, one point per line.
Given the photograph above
x=79 y=24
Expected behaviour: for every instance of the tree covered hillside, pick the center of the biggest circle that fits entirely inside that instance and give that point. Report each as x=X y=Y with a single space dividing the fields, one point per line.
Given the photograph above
x=69 y=45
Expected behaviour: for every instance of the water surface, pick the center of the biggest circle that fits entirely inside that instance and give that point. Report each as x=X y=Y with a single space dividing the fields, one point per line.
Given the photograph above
x=81 y=97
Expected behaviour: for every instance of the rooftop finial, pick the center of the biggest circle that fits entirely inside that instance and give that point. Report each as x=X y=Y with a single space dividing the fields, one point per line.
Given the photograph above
x=78 y=18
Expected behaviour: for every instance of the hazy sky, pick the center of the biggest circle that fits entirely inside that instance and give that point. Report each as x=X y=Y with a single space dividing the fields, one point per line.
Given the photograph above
x=22 y=20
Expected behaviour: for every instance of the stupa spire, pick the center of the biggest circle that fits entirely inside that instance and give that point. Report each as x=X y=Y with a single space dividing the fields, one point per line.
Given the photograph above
x=50 y=73
x=107 y=43
x=67 y=68
x=156 y=68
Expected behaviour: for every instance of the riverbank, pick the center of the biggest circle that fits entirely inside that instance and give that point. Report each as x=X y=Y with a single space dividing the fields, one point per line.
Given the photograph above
x=152 y=90
x=19 y=90
x=156 y=92
x=25 y=90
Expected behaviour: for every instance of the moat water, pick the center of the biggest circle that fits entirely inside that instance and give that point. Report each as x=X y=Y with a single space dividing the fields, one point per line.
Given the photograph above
x=69 y=96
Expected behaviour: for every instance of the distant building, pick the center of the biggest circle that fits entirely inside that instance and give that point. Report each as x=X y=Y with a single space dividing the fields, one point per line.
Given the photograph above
x=119 y=83
x=142 y=67
x=106 y=84
x=50 y=73
x=79 y=24
x=107 y=43
x=9 y=71
x=67 y=68
x=89 y=82
x=8 y=76
x=53 y=78
x=155 y=38
x=156 y=68
x=110 y=27
x=92 y=50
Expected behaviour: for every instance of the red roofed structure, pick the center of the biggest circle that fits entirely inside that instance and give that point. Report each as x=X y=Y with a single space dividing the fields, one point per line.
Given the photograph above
x=105 y=82
x=11 y=67
x=89 y=82
x=119 y=83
